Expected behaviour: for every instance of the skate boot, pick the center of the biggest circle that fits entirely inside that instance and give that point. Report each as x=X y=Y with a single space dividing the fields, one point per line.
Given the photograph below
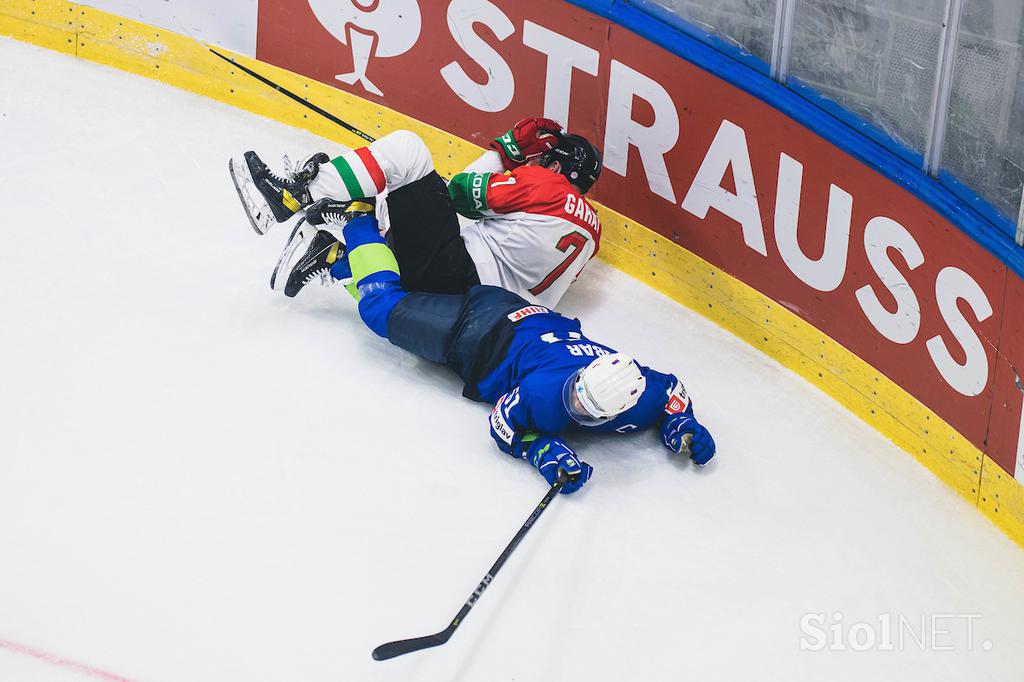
x=324 y=255
x=269 y=198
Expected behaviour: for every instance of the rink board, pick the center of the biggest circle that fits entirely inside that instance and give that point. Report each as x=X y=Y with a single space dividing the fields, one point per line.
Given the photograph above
x=970 y=443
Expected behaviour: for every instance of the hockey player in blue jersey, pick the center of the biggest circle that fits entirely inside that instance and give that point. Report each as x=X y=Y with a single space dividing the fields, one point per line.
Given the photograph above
x=543 y=376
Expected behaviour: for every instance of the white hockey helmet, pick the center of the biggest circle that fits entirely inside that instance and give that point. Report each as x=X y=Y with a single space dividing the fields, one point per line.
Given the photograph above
x=605 y=388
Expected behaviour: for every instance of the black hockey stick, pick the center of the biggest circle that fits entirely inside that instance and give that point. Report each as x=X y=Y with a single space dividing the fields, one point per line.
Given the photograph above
x=288 y=93
x=405 y=646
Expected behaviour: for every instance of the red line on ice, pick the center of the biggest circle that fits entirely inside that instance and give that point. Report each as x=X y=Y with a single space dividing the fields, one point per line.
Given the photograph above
x=53 y=659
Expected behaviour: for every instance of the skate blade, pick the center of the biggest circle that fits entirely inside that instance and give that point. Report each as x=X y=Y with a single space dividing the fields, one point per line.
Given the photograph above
x=296 y=240
x=256 y=208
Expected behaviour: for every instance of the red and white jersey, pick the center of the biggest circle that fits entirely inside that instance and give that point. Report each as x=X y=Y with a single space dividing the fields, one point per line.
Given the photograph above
x=533 y=234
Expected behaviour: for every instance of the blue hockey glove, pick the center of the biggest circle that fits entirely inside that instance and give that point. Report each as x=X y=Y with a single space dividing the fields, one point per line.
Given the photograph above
x=700 y=446
x=549 y=455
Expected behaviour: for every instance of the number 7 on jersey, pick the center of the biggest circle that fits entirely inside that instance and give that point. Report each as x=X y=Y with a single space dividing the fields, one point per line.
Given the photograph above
x=572 y=245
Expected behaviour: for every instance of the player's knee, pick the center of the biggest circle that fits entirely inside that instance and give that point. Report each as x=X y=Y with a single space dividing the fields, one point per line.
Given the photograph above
x=406 y=139
x=408 y=155
x=376 y=301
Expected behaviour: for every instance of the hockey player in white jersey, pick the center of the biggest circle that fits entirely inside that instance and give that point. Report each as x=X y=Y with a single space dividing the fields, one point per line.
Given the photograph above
x=534 y=230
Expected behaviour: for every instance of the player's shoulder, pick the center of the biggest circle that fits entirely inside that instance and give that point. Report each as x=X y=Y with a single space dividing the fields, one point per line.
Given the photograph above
x=540 y=177
x=542 y=389
x=552 y=194
x=659 y=384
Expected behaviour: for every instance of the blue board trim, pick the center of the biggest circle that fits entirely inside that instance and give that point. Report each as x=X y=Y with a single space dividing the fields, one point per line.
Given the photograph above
x=666 y=16
x=963 y=207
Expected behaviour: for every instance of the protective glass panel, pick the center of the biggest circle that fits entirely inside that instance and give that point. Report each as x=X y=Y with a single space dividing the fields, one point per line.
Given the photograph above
x=745 y=27
x=875 y=58
x=985 y=134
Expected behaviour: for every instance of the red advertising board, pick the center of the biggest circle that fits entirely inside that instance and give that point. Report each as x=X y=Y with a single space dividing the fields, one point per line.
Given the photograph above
x=708 y=166
x=1005 y=441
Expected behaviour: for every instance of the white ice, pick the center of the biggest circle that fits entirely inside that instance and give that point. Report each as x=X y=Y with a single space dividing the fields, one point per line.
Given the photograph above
x=202 y=480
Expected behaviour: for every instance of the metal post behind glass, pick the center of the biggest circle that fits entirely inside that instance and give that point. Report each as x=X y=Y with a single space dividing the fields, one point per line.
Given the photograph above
x=943 y=88
x=782 y=39
x=1020 y=222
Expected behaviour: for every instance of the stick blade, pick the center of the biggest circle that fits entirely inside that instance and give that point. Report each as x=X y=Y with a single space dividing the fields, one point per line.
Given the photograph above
x=407 y=646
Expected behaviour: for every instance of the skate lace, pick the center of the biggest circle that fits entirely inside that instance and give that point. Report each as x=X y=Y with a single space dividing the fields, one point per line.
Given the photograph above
x=290 y=171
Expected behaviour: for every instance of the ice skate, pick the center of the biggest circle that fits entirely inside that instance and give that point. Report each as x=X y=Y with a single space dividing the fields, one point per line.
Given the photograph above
x=319 y=240
x=268 y=198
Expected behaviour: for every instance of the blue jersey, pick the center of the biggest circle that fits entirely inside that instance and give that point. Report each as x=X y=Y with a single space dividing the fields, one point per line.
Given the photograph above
x=546 y=350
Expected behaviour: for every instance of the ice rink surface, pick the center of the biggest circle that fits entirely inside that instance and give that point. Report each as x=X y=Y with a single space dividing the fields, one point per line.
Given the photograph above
x=204 y=481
